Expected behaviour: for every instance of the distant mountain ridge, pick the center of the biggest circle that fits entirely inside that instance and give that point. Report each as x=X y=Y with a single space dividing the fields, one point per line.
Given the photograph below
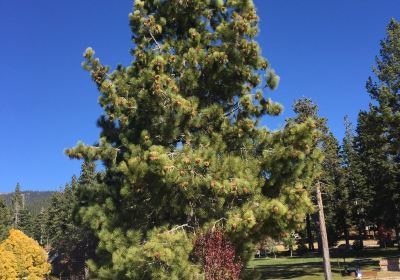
x=35 y=201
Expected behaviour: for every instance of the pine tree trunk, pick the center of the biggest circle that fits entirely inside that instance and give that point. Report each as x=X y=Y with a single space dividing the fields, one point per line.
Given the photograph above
x=315 y=220
x=346 y=235
x=310 y=238
x=397 y=230
x=319 y=241
x=361 y=236
x=324 y=236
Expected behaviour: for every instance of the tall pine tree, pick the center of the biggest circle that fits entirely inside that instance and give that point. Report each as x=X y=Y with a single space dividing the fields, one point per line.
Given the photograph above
x=329 y=173
x=351 y=180
x=39 y=228
x=378 y=139
x=26 y=222
x=181 y=145
x=17 y=205
x=331 y=178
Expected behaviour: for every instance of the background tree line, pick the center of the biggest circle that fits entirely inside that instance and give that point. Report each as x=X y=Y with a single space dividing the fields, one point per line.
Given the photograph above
x=56 y=227
x=361 y=177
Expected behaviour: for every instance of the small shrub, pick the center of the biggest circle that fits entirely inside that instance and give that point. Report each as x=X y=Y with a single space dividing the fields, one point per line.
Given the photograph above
x=217 y=256
x=271 y=244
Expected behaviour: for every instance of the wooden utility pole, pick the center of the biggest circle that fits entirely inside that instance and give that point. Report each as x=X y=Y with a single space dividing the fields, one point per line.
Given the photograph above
x=324 y=236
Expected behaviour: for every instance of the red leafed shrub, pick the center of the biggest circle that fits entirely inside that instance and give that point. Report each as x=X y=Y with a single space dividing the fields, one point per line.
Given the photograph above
x=217 y=256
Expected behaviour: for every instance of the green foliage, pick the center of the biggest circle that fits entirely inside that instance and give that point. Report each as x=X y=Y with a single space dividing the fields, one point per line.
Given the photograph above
x=329 y=173
x=378 y=141
x=22 y=218
x=35 y=201
x=17 y=204
x=71 y=243
x=350 y=179
x=271 y=245
x=181 y=145
x=357 y=196
x=5 y=220
x=26 y=223
x=289 y=241
x=39 y=229
x=332 y=188
x=17 y=196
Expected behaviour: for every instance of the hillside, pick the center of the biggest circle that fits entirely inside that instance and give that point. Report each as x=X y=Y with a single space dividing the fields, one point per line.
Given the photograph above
x=34 y=200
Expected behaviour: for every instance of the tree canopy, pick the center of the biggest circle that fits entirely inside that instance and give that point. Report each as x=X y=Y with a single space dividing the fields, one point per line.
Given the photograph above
x=377 y=140
x=181 y=143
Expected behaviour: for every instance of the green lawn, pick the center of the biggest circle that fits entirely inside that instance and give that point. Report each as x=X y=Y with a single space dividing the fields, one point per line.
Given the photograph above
x=310 y=268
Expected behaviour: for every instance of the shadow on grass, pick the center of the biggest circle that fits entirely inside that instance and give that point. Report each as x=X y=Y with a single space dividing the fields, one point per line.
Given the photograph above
x=290 y=271
x=311 y=265
x=311 y=269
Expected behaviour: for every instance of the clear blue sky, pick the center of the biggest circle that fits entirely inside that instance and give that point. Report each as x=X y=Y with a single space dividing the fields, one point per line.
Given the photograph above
x=321 y=49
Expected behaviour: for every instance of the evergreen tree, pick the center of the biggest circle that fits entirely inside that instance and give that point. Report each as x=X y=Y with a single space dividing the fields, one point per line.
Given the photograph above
x=83 y=193
x=74 y=183
x=5 y=220
x=367 y=179
x=351 y=178
x=71 y=241
x=289 y=241
x=64 y=236
x=22 y=217
x=16 y=204
x=39 y=229
x=181 y=145
x=330 y=173
x=26 y=223
x=305 y=109
x=378 y=129
x=334 y=202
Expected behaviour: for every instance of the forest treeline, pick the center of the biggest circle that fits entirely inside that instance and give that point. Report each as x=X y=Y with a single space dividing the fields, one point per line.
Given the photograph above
x=33 y=201
x=55 y=226
x=190 y=175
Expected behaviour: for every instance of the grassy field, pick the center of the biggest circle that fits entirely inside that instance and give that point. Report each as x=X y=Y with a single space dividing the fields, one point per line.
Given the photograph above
x=310 y=267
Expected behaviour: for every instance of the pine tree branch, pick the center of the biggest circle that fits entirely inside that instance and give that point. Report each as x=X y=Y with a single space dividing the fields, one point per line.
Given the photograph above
x=179 y=227
x=216 y=222
x=154 y=39
x=235 y=108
